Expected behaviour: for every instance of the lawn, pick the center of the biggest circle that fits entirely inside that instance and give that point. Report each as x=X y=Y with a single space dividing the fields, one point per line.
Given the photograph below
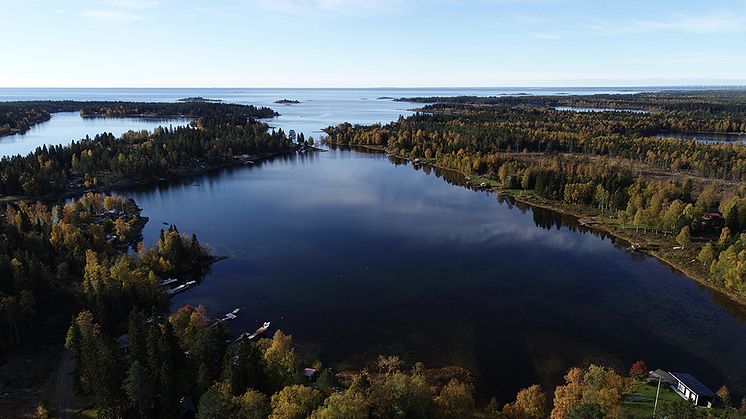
x=640 y=403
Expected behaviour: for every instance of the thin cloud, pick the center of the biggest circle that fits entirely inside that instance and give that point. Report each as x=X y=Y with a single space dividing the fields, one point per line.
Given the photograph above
x=132 y=4
x=712 y=23
x=110 y=16
x=342 y=7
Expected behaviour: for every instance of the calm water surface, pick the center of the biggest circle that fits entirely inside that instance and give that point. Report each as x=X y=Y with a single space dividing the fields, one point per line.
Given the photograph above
x=355 y=256
x=318 y=108
x=66 y=127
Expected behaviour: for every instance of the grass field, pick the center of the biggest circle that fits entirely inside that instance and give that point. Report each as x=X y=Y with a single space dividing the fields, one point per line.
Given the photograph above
x=640 y=403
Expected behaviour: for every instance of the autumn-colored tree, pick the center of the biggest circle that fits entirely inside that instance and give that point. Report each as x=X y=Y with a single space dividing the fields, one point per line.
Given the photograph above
x=724 y=395
x=530 y=403
x=295 y=402
x=684 y=238
x=281 y=361
x=596 y=385
x=349 y=404
x=455 y=400
x=638 y=370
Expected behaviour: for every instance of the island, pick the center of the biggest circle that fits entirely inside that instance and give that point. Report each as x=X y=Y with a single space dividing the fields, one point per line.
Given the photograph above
x=220 y=135
x=287 y=102
x=198 y=99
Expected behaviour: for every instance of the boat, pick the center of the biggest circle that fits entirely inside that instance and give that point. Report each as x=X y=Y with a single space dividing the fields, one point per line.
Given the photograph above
x=168 y=281
x=178 y=289
x=182 y=288
x=236 y=310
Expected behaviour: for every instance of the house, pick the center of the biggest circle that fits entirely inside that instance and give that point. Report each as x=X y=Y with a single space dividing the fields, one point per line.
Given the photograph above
x=309 y=373
x=712 y=219
x=691 y=389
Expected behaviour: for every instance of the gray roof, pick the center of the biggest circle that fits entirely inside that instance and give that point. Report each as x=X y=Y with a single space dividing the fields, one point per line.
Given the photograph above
x=693 y=384
x=663 y=375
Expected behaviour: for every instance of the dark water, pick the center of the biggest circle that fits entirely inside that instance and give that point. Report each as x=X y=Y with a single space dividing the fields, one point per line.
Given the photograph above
x=355 y=256
x=66 y=127
x=706 y=137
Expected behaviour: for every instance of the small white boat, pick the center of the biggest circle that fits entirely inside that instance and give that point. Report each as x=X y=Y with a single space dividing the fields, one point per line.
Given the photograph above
x=168 y=281
x=191 y=283
x=266 y=325
x=178 y=289
x=236 y=310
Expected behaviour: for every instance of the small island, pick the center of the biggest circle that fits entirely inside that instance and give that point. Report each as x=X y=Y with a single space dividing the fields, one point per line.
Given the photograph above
x=198 y=99
x=287 y=102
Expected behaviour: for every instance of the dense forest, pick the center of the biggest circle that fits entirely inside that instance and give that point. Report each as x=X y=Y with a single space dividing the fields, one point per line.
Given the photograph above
x=86 y=253
x=715 y=110
x=219 y=135
x=187 y=364
x=21 y=115
x=604 y=164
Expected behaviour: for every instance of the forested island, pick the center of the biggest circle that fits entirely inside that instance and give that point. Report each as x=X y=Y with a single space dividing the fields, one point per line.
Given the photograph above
x=18 y=117
x=287 y=102
x=221 y=134
x=681 y=201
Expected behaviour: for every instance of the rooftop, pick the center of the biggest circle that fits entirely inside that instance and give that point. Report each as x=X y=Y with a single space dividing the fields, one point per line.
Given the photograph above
x=693 y=384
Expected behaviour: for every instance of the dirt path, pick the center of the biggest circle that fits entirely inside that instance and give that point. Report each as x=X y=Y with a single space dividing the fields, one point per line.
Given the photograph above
x=64 y=384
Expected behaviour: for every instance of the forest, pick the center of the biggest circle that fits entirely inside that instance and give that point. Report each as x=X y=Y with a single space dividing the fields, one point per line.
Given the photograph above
x=607 y=165
x=21 y=115
x=187 y=364
x=85 y=253
x=219 y=134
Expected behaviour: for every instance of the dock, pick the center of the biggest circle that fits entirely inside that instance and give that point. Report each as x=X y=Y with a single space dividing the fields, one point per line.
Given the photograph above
x=256 y=333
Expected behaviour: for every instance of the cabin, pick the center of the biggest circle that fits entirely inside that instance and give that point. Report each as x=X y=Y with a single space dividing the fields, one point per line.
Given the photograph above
x=712 y=219
x=309 y=373
x=691 y=389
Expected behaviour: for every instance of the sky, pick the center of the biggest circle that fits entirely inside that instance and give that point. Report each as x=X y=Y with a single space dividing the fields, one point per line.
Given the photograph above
x=371 y=43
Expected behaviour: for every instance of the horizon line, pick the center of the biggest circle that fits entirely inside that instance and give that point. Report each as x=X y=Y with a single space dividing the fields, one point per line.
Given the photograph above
x=740 y=84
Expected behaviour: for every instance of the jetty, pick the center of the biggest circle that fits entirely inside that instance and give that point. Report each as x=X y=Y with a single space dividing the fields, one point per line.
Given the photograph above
x=182 y=287
x=256 y=333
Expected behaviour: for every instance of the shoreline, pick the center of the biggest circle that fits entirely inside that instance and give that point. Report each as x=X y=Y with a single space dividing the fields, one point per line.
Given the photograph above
x=599 y=225
x=125 y=184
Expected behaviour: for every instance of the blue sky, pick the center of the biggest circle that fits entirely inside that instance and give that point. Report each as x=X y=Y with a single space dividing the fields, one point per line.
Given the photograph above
x=371 y=43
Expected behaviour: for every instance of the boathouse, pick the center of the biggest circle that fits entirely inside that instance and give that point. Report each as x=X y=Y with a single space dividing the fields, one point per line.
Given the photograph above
x=692 y=390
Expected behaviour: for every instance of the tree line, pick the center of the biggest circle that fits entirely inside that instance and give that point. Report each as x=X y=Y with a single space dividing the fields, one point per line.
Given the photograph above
x=187 y=364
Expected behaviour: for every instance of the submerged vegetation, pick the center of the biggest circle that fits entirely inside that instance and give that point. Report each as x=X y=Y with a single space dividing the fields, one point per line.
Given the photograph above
x=605 y=165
